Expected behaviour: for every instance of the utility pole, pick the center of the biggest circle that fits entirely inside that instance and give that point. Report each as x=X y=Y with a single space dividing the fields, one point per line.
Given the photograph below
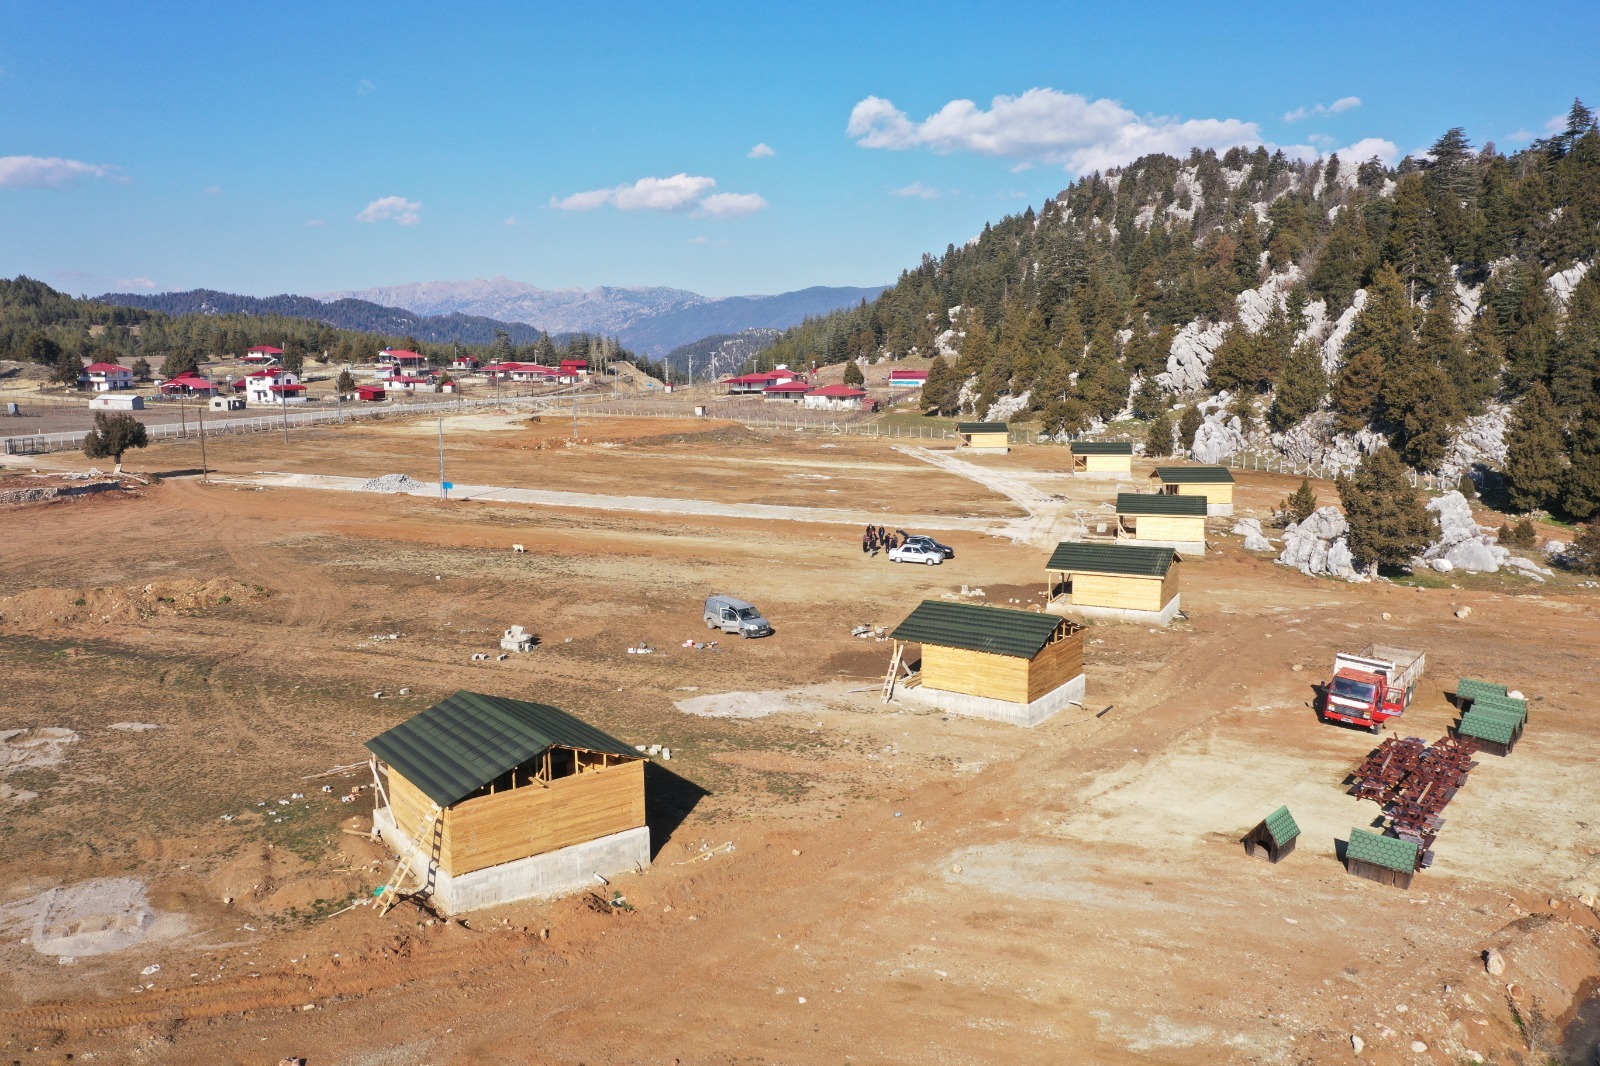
x=205 y=471
x=283 y=402
x=574 y=412
x=444 y=493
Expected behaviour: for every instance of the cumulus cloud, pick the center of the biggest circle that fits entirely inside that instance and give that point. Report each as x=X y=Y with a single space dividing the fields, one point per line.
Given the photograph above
x=365 y=87
x=52 y=172
x=917 y=191
x=1344 y=103
x=129 y=284
x=731 y=204
x=680 y=192
x=1368 y=147
x=392 y=209
x=761 y=151
x=1046 y=126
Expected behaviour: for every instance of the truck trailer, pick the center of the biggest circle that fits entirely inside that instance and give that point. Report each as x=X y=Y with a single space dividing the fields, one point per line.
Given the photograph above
x=1370 y=688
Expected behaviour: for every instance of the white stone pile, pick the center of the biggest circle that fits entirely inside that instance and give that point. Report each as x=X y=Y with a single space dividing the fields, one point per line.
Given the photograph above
x=1318 y=546
x=394 y=483
x=1462 y=543
x=1254 y=539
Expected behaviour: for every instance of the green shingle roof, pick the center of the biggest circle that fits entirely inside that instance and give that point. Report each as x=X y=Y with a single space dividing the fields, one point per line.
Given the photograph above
x=1150 y=503
x=454 y=748
x=1194 y=475
x=1518 y=709
x=1102 y=447
x=1388 y=852
x=1282 y=826
x=982 y=427
x=1080 y=557
x=1470 y=689
x=975 y=627
x=1488 y=727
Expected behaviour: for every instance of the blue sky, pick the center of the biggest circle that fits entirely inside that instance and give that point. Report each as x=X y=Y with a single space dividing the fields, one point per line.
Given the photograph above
x=308 y=147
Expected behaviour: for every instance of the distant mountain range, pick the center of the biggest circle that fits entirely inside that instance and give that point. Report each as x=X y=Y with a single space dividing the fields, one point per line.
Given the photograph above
x=340 y=314
x=650 y=320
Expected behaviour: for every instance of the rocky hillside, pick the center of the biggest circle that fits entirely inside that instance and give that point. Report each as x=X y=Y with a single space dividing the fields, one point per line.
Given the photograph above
x=1317 y=308
x=719 y=354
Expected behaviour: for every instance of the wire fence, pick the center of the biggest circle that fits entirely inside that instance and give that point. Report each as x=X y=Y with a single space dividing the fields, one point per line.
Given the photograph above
x=1327 y=469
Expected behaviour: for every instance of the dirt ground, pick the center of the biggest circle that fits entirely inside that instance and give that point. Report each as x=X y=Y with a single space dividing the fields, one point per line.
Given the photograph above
x=836 y=879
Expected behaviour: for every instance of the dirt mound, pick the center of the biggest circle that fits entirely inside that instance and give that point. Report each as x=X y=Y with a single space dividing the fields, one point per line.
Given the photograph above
x=129 y=604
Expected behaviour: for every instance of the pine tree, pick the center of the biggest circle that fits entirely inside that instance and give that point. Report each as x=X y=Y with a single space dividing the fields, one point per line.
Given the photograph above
x=1580 y=495
x=1389 y=520
x=1158 y=436
x=1299 y=506
x=853 y=375
x=1301 y=387
x=941 y=392
x=1412 y=244
x=345 y=383
x=1575 y=376
x=112 y=435
x=1535 y=459
x=1188 y=425
x=1387 y=323
x=141 y=369
x=1419 y=407
x=1345 y=262
x=1356 y=389
x=1529 y=349
x=1585 y=550
x=1149 y=402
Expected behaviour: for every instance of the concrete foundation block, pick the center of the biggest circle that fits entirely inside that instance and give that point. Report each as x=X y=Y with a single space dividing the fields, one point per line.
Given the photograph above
x=555 y=873
x=1024 y=714
x=1182 y=547
x=1215 y=509
x=1063 y=606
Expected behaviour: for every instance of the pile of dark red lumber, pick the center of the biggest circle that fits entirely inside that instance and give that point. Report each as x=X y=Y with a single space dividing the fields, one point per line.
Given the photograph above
x=1413 y=782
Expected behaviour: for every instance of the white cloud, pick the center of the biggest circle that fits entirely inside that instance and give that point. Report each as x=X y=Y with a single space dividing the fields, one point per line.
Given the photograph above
x=1344 y=103
x=761 y=151
x=731 y=205
x=680 y=192
x=128 y=284
x=392 y=209
x=917 y=191
x=1522 y=136
x=511 y=220
x=698 y=240
x=39 y=172
x=1368 y=147
x=312 y=223
x=1319 y=138
x=1558 y=124
x=365 y=87
x=1044 y=125
x=213 y=190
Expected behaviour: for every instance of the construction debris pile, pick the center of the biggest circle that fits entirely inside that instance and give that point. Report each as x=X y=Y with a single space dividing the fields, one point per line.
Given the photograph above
x=1413 y=782
x=394 y=483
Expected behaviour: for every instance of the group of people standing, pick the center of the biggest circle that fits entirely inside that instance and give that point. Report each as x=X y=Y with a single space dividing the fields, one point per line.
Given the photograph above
x=878 y=538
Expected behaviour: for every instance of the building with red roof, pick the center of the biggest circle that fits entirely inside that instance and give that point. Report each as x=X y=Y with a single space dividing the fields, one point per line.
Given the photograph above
x=189 y=384
x=753 y=384
x=273 y=387
x=907 y=378
x=261 y=353
x=104 y=377
x=836 y=398
x=401 y=357
x=792 y=391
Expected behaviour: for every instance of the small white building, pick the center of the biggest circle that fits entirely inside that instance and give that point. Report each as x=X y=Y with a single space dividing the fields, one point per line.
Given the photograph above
x=227 y=403
x=127 y=401
x=836 y=398
x=104 y=377
x=407 y=383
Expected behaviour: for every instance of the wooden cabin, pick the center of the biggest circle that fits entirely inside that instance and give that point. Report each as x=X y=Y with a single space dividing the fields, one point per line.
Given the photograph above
x=1384 y=859
x=984 y=436
x=993 y=662
x=1276 y=834
x=1215 y=483
x=1167 y=521
x=1128 y=582
x=1102 y=457
x=492 y=799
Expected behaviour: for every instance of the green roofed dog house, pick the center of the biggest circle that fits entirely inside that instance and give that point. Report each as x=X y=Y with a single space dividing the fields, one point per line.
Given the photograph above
x=1124 y=582
x=993 y=662
x=491 y=800
x=1386 y=860
x=1276 y=833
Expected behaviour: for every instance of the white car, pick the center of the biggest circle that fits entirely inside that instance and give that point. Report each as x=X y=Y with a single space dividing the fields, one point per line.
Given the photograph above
x=916 y=553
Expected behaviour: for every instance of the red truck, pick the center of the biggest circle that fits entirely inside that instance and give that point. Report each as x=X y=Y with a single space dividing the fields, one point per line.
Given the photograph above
x=1370 y=688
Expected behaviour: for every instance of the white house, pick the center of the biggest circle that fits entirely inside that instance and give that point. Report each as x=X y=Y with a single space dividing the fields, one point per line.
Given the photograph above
x=127 y=401
x=407 y=383
x=104 y=377
x=270 y=387
x=836 y=398
x=261 y=354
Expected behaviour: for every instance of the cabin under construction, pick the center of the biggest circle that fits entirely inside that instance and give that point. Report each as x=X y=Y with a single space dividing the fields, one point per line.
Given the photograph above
x=489 y=800
x=991 y=662
x=1162 y=521
x=984 y=436
x=1215 y=483
x=1121 y=582
x=1102 y=457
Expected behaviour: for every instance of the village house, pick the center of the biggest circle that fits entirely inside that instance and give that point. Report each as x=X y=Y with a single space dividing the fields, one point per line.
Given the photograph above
x=1123 y=582
x=1007 y=665
x=262 y=354
x=907 y=378
x=755 y=384
x=1177 y=522
x=789 y=391
x=835 y=398
x=1214 y=483
x=105 y=377
x=408 y=383
x=1102 y=457
x=490 y=800
x=984 y=436
x=468 y=363
x=273 y=387
x=117 y=401
x=400 y=357
x=189 y=384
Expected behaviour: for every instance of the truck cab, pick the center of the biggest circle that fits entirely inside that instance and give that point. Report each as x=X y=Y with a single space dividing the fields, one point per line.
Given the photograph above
x=1370 y=688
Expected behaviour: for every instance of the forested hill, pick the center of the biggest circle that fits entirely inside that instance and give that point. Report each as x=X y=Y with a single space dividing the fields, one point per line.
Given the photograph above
x=341 y=314
x=1337 y=299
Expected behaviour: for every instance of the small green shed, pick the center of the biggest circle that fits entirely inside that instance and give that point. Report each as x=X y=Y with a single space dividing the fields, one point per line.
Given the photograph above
x=1384 y=859
x=1276 y=833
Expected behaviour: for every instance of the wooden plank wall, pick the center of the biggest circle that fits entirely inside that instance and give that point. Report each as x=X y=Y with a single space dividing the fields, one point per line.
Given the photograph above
x=1106 y=464
x=1172 y=527
x=531 y=820
x=1219 y=492
x=411 y=806
x=976 y=673
x=1053 y=667
x=1169 y=585
x=1116 y=590
x=989 y=440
